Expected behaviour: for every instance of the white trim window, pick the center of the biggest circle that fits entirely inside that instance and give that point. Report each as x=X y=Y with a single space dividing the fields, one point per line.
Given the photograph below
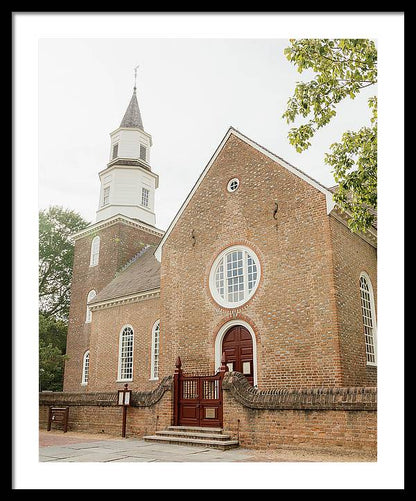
x=95 y=251
x=233 y=184
x=85 y=368
x=106 y=196
x=369 y=318
x=234 y=276
x=154 y=364
x=125 y=360
x=145 y=197
x=90 y=297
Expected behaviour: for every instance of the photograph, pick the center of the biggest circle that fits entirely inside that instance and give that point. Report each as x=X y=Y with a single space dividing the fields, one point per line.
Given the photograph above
x=207 y=255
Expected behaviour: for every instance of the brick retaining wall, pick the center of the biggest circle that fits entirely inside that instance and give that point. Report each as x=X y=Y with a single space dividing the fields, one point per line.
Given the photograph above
x=99 y=412
x=344 y=417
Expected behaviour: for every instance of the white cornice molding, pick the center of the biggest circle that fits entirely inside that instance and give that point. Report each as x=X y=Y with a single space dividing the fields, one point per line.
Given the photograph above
x=119 y=218
x=342 y=216
x=123 y=300
x=114 y=166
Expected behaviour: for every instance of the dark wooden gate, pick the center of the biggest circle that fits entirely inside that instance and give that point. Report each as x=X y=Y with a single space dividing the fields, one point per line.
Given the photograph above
x=198 y=399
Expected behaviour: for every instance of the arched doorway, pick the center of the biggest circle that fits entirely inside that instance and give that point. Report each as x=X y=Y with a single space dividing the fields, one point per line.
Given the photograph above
x=237 y=344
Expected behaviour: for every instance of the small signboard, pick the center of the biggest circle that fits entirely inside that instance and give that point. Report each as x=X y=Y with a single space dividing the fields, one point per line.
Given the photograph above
x=123 y=400
x=124 y=397
x=246 y=368
x=58 y=415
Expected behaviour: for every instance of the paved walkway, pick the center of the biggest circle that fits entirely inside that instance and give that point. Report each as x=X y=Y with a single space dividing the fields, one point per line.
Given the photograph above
x=71 y=447
x=57 y=446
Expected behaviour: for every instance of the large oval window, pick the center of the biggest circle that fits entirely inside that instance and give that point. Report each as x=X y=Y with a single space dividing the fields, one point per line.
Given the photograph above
x=234 y=276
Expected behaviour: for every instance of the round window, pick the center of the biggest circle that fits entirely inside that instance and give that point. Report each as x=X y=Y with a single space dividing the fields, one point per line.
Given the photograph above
x=233 y=184
x=234 y=276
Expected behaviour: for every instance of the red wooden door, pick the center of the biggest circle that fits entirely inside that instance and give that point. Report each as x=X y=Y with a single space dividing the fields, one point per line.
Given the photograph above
x=238 y=347
x=189 y=401
x=200 y=400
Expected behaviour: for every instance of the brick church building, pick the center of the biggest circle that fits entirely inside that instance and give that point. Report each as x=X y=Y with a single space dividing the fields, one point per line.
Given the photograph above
x=257 y=275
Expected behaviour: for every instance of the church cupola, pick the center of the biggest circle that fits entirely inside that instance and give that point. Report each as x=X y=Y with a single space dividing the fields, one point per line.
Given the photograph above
x=132 y=118
x=127 y=183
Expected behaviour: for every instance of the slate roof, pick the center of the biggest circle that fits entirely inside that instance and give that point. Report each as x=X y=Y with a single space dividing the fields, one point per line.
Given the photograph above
x=140 y=274
x=132 y=118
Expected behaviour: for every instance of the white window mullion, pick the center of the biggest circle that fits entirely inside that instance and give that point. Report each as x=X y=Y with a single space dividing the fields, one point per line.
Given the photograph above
x=90 y=297
x=368 y=319
x=85 y=368
x=126 y=346
x=245 y=268
x=95 y=251
x=154 y=365
x=228 y=294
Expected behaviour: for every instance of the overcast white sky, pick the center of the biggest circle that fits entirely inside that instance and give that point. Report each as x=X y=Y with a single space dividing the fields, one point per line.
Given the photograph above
x=199 y=74
x=190 y=91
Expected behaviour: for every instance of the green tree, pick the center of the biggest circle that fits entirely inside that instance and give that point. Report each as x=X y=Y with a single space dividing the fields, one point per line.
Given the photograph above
x=342 y=67
x=56 y=252
x=56 y=225
x=53 y=331
x=51 y=367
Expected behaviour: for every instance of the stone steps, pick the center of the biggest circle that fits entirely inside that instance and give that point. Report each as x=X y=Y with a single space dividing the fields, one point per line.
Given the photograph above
x=194 y=435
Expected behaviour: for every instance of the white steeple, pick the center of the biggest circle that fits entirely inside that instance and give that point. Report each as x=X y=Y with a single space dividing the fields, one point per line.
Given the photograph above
x=127 y=183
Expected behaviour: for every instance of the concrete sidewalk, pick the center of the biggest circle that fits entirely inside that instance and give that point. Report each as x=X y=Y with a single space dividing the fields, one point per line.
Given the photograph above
x=75 y=448
x=56 y=446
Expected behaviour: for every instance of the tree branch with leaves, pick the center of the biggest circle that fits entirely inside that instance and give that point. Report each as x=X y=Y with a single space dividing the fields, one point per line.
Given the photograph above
x=343 y=68
x=56 y=225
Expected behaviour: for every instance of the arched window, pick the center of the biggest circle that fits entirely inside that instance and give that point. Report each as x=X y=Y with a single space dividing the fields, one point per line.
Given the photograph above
x=125 y=360
x=154 y=365
x=95 y=251
x=85 y=367
x=90 y=297
x=369 y=318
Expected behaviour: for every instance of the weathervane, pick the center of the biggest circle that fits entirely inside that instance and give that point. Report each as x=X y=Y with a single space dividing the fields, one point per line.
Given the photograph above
x=135 y=76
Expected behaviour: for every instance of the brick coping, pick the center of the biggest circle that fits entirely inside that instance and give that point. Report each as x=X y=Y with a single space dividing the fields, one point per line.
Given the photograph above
x=322 y=398
x=106 y=399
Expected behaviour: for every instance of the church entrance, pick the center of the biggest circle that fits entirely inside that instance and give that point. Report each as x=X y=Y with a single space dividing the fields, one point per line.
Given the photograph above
x=198 y=399
x=237 y=345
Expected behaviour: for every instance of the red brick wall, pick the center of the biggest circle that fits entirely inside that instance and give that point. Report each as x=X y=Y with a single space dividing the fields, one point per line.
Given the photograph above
x=305 y=314
x=94 y=418
x=118 y=243
x=293 y=311
x=352 y=255
x=344 y=417
x=264 y=429
x=104 y=345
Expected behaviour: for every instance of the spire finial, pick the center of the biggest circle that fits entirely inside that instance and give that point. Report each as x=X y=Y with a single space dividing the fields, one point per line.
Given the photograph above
x=135 y=76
